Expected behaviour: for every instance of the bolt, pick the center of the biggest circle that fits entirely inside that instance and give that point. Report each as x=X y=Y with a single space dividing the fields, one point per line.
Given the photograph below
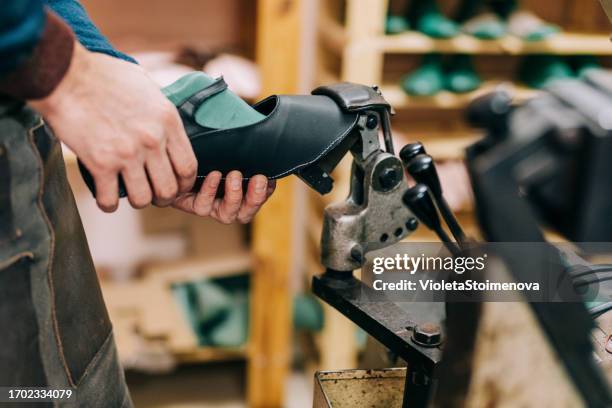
x=412 y=224
x=388 y=178
x=427 y=334
x=371 y=122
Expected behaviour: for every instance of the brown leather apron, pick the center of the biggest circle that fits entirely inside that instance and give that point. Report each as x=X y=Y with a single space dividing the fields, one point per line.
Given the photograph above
x=56 y=331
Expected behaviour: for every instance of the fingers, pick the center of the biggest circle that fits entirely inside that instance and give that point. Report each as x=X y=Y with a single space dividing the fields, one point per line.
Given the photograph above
x=235 y=205
x=137 y=185
x=171 y=166
x=107 y=191
x=226 y=210
x=201 y=203
x=163 y=180
x=204 y=200
x=256 y=195
x=181 y=154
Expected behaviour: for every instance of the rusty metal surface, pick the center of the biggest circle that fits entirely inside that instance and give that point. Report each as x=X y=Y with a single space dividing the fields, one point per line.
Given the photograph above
x=383 y=388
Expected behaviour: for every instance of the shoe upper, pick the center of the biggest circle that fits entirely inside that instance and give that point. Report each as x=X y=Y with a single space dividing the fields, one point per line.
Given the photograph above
x=297 y=130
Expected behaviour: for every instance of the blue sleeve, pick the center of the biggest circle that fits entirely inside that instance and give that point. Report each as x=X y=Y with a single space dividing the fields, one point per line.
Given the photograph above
x=21 y=25
x=88 y=34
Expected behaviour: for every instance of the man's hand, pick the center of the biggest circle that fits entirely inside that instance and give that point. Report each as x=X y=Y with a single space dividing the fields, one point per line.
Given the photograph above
x=118 y=122
x=233 y=206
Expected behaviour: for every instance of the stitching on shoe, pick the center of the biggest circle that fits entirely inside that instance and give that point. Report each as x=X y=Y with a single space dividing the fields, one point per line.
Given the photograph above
x=331 y=145
x=328 y=148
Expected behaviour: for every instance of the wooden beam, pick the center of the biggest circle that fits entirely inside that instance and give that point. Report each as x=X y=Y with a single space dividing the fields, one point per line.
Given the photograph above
x=277 y=51
x=364 y=20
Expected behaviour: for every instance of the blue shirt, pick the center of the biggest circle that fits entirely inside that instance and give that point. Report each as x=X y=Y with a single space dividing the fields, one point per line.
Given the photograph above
x=22 y=23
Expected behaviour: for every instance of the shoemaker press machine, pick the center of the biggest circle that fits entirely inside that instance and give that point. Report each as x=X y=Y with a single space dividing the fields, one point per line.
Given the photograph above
x=547 y=162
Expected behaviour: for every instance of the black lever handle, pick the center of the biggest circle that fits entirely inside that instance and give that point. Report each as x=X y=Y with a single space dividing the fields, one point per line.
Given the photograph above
x=423 y=169
x=419 y=200
x=410 y=151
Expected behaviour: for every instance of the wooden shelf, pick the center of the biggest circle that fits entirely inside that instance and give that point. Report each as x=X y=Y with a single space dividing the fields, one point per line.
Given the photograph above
x=560 y=44
x=211 y=354
x=194 y=269
x=448 y=100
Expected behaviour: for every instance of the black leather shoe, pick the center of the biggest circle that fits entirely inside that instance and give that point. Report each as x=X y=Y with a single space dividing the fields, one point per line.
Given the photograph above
x=298 y=132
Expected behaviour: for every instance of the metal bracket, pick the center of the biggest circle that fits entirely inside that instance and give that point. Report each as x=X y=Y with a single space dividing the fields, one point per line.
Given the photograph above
x=371 y=217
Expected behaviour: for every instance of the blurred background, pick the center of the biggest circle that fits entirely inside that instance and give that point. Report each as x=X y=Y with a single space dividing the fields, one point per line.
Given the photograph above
x=214 y=315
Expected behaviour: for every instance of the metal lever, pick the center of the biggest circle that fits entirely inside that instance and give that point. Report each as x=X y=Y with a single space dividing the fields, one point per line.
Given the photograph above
x=423 y=170
x=420 y=203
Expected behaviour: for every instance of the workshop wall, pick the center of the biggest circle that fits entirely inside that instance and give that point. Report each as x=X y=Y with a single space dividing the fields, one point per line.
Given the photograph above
x=160 y=24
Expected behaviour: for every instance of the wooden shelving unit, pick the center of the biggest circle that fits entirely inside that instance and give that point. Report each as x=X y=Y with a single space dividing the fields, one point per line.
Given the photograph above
x=144 y=311
x=416 y=43
x=212 y=355
x=353 y=47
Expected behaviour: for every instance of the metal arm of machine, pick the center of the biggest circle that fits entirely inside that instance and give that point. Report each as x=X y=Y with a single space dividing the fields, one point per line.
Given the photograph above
x=372 y=217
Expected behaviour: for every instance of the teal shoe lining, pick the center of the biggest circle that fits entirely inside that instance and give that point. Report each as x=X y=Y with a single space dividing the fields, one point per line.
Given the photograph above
x=225 y=110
